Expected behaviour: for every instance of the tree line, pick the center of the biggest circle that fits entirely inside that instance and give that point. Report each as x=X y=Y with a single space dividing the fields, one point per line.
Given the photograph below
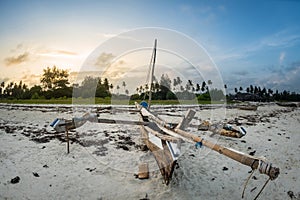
x=256 y=93
x=174 y=89
x=54 y=83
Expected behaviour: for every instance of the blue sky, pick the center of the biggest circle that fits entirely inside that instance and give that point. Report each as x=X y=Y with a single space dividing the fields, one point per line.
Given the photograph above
x=251 y=42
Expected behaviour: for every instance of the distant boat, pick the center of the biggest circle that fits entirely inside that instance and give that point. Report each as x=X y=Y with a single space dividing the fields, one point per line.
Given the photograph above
x=288 y=104
x=247 y=107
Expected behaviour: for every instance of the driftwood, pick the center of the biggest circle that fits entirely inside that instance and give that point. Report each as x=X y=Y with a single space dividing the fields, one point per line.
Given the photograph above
x=143 y=171
x=222 y=129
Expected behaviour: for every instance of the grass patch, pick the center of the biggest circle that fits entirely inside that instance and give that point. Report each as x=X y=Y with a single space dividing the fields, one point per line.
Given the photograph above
x=105 y=101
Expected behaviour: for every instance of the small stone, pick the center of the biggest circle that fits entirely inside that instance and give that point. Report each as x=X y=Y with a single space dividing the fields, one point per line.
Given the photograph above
x=15 y=180
x=252 y=153
x=291 y=194
x=35 y=174
x=225 y=169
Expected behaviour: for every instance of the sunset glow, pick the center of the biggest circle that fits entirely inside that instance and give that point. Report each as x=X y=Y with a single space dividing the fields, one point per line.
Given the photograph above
x=250 y=42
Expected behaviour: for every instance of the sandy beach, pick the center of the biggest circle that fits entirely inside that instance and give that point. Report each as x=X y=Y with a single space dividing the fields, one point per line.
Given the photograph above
x=104 y=158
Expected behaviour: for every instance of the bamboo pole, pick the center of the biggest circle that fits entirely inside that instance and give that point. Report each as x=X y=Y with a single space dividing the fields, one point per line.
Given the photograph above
x=112 y=121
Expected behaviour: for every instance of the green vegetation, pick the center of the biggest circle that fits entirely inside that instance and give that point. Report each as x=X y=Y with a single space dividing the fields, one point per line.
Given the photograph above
x=55 y=88
x=256 y=93
x=104 y=101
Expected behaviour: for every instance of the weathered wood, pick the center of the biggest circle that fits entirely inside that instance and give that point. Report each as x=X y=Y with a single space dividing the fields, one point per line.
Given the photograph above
x=162 y=156
x=245 y=159
x=143 y=171
x=186 y=120
x=112 y=121
x=162 y=136
x=242 y=158
x=288 y=104
x=67 y=138
x=247 y=107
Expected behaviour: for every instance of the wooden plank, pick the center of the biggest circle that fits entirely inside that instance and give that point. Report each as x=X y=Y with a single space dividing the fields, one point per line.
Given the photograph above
x=163 y=156
x=143 y=171
x=186 y=120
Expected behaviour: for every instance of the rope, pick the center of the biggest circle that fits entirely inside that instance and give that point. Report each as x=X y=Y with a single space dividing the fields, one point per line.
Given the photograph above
x=264 y=167
x=262 y=188
x=246 y=183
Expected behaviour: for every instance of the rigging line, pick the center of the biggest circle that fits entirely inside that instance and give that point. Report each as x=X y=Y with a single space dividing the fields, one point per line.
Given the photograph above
x=148 y=73
x=262 y=188
x=246 y=183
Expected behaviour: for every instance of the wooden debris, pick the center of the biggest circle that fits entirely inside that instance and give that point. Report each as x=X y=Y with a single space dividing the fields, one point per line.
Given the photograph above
x=143 y=171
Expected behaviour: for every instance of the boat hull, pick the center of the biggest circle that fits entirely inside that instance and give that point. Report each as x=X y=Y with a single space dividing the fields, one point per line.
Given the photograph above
x=161 y=152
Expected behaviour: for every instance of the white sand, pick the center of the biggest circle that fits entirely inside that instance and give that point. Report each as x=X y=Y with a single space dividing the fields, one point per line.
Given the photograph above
x=84 y=175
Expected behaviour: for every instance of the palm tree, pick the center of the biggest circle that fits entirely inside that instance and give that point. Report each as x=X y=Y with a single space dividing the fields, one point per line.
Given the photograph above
x=203 y=87
x=124 y=85
x=1 y=88
x=118 y=87
x=248 y=89
x=251 y=89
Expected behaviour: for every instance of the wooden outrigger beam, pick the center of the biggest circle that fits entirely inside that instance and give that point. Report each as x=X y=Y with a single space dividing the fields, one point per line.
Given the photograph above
x=113 y=121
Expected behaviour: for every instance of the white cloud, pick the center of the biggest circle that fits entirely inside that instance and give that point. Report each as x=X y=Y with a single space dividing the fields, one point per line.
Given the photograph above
x=281 y=57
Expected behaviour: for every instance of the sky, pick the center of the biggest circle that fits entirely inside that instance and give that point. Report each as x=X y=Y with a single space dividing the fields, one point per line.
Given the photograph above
x=248 y=42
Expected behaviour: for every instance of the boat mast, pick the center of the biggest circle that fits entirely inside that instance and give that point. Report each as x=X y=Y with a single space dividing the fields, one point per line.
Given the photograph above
x=152 y=73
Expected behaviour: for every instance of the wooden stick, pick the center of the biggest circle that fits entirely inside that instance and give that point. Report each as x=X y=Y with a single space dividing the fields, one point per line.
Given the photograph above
x=67 y=137
x=112 y=121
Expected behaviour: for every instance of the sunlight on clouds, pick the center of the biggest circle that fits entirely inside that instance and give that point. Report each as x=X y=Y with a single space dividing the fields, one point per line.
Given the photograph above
x=15 y=60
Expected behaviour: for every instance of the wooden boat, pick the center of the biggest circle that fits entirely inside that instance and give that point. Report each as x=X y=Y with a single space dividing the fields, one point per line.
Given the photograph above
x=247 y=107
x=288 y=104
x=164 y=139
